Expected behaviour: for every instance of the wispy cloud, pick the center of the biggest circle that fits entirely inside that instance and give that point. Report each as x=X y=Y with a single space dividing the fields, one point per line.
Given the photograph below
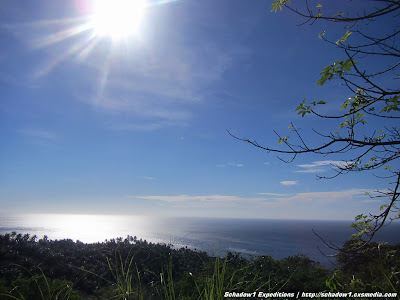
x=155 y=81
x=311 y=170
x=289 y=182
x=230 y=165
x=319 y=166
x=148 y=178
x=372 y=201
x=11 y=79
x=273 y=194
x=39 y=134
x=145 y=125
x=204 y=199
x=161 y=91
x=162 y=88
x=273 y=200
x=324 y=197
x=163 y=80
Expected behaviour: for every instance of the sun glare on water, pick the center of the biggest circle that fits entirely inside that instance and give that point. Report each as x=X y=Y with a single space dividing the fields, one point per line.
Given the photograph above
x=86 y=228
x=117 y=19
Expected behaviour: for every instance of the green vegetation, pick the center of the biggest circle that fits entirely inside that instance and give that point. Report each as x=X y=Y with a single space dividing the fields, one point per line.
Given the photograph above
x=135 y=269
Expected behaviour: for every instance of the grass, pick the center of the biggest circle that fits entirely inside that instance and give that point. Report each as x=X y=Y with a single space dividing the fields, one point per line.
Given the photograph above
x=212 y=284
x=122 y=272
x=40 y=287
x=219 y=280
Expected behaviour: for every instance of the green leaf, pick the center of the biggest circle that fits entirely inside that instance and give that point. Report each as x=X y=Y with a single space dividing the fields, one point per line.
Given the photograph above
x=301 y=105
x=348 y=64
x=392 y=104
x=319 y=5
x=358 y=217
x=326 y=69
x=321 y=102
x=344 y=106
x=323 y=79
x=359 y=116
x=275 y=6
x=344 y=124
x=343 y=38
x=282 y=139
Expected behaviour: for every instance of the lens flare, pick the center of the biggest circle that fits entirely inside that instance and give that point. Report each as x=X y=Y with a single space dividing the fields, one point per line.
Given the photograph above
x=117 y=19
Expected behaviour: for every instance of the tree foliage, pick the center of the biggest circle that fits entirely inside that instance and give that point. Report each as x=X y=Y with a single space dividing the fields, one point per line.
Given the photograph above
x=135 y=269
x=370 y=73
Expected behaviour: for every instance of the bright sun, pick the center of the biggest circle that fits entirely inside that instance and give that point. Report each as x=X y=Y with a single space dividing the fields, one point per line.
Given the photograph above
x=117 y=19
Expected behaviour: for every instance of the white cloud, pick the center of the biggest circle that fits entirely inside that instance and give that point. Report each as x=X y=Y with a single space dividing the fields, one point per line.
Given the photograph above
x=148 y=178
x=372 y=201
x=289 y=182
x=340 y=204
x=313 y=170
x=318 y=166
x=273 y=194
x=325 y=197
x=204 y=199
x=231 y=165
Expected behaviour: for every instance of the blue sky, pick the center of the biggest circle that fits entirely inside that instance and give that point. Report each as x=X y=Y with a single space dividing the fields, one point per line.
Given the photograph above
x=138 y=125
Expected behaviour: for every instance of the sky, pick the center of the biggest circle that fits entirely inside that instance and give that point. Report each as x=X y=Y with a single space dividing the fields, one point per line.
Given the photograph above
x=92 y=123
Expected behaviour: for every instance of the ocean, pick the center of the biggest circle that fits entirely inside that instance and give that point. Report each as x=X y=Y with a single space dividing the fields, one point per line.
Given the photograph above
x=277 y=238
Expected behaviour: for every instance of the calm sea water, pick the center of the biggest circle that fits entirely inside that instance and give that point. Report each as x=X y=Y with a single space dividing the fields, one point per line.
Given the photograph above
x=277 y=238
